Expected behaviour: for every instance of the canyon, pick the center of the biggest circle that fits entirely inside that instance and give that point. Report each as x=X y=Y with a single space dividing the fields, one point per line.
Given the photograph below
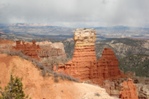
x=83 y=66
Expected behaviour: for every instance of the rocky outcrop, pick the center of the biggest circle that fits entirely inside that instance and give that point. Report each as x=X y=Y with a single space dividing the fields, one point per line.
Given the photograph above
x=84 y=65
x=128 y=90
x=108 y=64
x=39 y=50
x=84 y=55
x=28 y=49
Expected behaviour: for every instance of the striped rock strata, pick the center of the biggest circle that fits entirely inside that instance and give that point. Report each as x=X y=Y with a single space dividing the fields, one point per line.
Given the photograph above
x=84 y=65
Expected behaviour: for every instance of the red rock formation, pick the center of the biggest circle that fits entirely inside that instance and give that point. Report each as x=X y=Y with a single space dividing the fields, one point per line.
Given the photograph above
x=83 y=57
x=84 y=65
x=41 y=50
x=106 y=68
x=128 y=90
x=28 y=49
x=108 y=64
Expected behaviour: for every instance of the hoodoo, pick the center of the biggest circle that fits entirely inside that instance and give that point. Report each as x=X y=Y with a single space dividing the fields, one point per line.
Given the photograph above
x=84 y=65
x=83 y=57
x=108 y=64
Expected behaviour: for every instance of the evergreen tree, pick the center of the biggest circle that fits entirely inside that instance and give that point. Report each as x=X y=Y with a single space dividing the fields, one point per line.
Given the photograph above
x=14 y=89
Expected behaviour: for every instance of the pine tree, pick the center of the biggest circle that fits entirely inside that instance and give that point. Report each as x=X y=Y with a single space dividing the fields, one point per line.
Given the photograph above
x=14 y=89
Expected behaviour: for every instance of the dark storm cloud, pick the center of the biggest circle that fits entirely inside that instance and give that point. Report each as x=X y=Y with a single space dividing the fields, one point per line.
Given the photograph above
x=76 y=12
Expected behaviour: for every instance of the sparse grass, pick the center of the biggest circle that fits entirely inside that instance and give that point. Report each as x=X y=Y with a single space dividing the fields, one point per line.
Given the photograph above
x=64 y=77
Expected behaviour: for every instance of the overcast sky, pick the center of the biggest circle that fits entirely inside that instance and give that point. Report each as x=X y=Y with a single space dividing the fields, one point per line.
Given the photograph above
x=76 y=12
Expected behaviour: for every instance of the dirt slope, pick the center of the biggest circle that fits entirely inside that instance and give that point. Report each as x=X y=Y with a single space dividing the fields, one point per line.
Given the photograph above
x=39 y=87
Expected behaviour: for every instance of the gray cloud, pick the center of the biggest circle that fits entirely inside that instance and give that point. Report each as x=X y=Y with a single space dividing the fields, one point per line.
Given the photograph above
x=76 y=12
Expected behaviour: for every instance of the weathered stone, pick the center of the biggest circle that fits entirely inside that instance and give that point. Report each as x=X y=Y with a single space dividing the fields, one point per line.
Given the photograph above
x=128 y=90
x=108 y=65
x=28 y=49
x=41 y=49
x=83 y=57
x=84 y=65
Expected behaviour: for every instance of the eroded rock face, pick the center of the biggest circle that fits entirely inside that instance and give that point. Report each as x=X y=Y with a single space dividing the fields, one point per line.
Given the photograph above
x=28 y=49
x=128 y=90
x=39 y=50
x=83 y=57
x=84 y=65
x=108 y=64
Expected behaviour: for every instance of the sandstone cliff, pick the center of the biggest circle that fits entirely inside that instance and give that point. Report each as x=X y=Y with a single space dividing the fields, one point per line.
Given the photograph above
x=39 y=87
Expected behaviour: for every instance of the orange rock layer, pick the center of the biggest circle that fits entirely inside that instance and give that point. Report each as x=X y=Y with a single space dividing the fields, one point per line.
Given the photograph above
x=28 y=49
x=84 y=65
x=128 y=90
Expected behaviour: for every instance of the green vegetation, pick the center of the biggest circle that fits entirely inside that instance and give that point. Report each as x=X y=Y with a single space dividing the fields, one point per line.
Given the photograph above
x=14 y=90
x=127 y=41
x=136 y=63
x=69 y=48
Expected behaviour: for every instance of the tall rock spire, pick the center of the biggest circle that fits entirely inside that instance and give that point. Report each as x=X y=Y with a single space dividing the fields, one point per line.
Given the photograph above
x=84 y=65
